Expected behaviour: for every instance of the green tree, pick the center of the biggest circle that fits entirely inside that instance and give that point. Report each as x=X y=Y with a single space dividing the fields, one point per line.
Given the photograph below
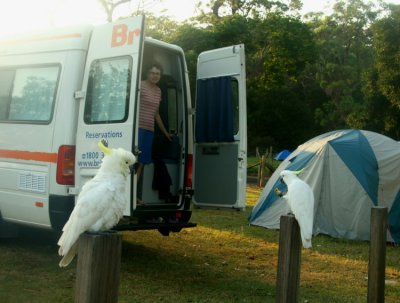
x=381 y=109
x=343 y=40
x=378 y=113
x=279 y=113
x=386 y=45
x=162 y=28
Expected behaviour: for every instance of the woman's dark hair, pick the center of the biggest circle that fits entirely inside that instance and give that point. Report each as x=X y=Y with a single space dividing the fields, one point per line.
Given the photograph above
x=156 y=65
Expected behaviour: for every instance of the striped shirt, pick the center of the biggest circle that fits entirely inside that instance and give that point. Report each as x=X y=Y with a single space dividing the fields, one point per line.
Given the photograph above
x=150 y=99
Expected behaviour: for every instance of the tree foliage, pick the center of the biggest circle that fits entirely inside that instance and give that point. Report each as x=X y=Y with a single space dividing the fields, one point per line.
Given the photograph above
x=342 y=40
x=382 y=80
x=284 y=47
x=387 y=54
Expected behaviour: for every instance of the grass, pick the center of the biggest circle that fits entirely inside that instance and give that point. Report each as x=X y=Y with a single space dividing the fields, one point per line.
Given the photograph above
x=221 y=260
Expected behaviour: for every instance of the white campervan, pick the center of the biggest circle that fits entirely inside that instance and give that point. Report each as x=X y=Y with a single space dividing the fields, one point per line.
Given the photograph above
x=63 y=91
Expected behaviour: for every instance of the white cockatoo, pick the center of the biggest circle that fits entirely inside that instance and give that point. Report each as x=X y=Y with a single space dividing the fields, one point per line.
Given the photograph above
x=300 y=198
x=101 y=202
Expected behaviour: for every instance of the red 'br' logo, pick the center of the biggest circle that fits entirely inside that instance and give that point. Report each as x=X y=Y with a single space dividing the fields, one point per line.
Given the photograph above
x=121 y=35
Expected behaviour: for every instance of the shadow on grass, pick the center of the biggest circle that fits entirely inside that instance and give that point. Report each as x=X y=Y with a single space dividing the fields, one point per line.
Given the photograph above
x=237 y=222
x=33 y=236
x=169 y=276
x=29 y=269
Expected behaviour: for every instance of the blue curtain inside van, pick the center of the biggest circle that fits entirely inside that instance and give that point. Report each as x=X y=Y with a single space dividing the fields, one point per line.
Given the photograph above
x=214 y=110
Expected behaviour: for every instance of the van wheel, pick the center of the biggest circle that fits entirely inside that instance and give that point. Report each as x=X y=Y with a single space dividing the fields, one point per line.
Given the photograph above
x=164 y=231
x=176 y=229
x=8 y=230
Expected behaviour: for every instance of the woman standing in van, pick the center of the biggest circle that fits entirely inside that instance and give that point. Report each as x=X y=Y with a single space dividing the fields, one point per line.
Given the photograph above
x=150 y=98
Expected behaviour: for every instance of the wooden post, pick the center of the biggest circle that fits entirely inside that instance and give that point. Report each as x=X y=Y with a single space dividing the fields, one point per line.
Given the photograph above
x=261 y=175
x=377 y=255
x=288 y=277
x=98 y=268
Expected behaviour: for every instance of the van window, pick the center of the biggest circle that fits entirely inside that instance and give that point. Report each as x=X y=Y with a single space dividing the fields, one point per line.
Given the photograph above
x=107 y=98
x=28 y=93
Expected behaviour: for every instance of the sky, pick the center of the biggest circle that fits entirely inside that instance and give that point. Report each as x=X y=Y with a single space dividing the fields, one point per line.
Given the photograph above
x=24 y=16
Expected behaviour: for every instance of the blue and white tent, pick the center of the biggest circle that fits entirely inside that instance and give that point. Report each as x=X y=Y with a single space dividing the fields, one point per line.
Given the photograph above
x=350 y=171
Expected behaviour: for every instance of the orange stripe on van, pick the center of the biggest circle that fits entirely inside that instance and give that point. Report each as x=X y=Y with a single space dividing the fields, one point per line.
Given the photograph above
x=40 y=38
x=27 y=155
x=39 y=204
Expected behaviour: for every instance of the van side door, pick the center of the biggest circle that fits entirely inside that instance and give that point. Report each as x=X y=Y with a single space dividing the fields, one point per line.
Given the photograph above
x=109 y=96
x=220 y=144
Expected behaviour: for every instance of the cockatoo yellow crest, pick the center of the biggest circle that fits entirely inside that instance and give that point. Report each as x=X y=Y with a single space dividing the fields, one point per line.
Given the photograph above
x=298 y=172
x=300 y=198
x=101 y=202
x=104 y=148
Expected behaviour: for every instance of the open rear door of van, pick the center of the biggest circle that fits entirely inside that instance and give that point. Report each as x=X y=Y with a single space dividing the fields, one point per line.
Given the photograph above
x=220 y=144
x=108 y=97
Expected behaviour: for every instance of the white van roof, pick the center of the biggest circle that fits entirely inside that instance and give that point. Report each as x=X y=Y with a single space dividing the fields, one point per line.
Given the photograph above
x=153 y=41
x=54 y=40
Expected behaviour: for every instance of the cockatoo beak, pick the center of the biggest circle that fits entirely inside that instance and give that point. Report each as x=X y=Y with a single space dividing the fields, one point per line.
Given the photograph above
x=278 y=192
x=133 y=168
x=104 y=149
